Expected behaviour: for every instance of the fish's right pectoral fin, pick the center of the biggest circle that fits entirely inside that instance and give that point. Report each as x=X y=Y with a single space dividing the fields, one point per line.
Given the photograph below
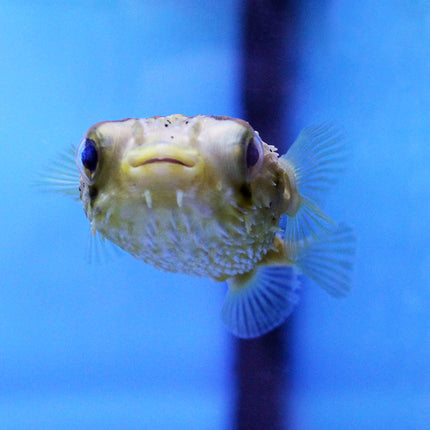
x=259 y=301
x=60 y=175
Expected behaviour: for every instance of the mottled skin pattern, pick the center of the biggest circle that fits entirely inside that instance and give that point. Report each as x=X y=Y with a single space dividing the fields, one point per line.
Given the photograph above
x=178 y=193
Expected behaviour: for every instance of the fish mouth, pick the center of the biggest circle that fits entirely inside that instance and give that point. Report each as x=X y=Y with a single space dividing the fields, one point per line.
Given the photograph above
x=163 y=160
x=162 y=153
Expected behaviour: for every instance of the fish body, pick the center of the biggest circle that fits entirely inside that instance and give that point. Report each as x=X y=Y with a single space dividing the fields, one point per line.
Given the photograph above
x=176 y=192
x=205 y=196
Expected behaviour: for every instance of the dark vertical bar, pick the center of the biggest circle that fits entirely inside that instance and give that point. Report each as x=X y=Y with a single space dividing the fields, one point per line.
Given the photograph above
x=269 y=58
x=270 y=47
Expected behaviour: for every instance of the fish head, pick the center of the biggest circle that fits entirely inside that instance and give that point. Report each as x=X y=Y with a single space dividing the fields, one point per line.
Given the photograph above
x=198 y=156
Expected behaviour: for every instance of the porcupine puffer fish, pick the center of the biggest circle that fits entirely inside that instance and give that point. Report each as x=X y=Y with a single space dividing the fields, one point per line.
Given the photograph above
x=205 y=196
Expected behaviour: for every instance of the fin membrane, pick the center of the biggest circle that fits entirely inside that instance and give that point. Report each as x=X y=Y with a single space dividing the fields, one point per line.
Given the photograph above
x=309 y=222
x=259 y=301
x=259 y=304
x=316 y=158
x=61 y=175
x=328 y=260
x=101 y=251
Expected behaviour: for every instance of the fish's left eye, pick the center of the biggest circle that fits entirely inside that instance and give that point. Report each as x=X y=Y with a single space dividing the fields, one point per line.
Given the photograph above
x=254 y=155
x=87 y=159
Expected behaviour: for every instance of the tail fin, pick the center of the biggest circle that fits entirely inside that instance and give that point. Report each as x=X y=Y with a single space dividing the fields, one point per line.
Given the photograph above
x=315 y=158
x=261 y=300
x=327 y=260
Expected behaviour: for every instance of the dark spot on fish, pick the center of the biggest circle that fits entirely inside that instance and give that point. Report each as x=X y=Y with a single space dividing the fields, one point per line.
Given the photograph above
x=93 y=192
x=186 y=122
x=245 y=190
x=277 y=181
x=166 y=125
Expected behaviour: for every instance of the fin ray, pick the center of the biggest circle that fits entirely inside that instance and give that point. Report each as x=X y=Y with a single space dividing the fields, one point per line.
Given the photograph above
x=328 y=260
x=316 y=158
x=101 y=251
x=261 y=303
x=61 y=176
x=308 y=222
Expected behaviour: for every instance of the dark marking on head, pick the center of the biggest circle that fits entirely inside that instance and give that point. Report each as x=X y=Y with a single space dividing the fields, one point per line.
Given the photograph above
x=93 y=192
x=277 y=180
x=245 y=191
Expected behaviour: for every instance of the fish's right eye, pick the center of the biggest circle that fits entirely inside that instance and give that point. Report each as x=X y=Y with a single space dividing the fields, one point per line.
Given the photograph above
x=87 y=159
x=89 y=156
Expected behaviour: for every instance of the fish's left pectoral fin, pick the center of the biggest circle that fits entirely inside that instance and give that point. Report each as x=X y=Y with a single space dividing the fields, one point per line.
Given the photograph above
x=260 y=301
x=313 y=163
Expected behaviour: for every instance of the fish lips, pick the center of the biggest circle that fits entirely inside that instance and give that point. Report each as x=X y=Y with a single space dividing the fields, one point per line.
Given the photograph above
x=162 y=163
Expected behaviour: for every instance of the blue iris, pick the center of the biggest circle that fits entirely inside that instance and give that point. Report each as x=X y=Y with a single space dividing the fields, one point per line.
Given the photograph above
x=89 y=156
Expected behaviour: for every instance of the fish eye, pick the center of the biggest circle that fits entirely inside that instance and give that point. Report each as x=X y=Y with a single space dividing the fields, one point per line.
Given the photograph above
x=87 y=159
x=89 y=156
x=254 y=155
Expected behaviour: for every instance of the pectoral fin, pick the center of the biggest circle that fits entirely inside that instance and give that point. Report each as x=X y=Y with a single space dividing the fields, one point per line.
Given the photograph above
x=313 y=163
x=60 y=175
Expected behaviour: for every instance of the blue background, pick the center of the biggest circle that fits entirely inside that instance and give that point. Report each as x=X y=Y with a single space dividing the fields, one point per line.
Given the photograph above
x=123 y=346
